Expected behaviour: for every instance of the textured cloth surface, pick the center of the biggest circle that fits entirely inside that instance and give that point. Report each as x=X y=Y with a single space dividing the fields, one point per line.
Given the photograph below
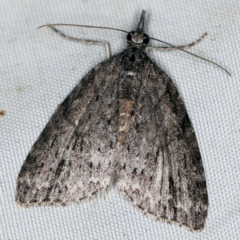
x=38 y=69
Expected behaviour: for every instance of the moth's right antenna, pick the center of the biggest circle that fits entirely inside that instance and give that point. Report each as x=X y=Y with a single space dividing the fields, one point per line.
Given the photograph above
x=205 y=59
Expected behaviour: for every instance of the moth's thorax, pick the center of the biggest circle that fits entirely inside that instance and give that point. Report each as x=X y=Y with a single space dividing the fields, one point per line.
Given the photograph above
x=133 y=60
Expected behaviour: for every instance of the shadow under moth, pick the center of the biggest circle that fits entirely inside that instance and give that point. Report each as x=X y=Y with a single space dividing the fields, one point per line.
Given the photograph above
x=123 y=124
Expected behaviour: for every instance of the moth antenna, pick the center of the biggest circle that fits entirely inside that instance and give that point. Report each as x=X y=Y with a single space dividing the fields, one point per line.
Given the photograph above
x=78 y=25
x=139 y=28
x=140 y=31
x=205 y=59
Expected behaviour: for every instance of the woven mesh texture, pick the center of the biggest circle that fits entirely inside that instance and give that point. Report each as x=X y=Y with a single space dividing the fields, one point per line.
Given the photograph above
x=38 y=69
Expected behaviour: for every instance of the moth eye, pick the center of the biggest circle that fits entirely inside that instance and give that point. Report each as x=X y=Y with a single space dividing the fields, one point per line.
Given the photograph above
x=145 y=38
x=129 y=36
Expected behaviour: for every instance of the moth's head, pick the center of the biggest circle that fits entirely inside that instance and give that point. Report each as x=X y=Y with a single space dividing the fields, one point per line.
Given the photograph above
x=138 y=37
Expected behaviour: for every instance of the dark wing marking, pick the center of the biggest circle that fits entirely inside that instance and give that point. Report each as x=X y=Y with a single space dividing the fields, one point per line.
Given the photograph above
x=161 y=169
x=71 y=160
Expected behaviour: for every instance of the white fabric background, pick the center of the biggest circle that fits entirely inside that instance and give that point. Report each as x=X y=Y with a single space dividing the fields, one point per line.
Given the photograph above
x=38 y=69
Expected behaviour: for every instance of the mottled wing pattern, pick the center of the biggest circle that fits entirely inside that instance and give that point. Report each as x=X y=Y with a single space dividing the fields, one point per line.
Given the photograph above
x=161 y=169
x=71 y=160
x=125 y=121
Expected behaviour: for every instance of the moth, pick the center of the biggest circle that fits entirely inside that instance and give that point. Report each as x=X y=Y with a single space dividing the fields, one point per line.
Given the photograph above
x=123 y=124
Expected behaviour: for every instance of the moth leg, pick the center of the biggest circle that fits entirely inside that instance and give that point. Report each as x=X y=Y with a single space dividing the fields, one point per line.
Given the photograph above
x=107 y=45
x=184 y=47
